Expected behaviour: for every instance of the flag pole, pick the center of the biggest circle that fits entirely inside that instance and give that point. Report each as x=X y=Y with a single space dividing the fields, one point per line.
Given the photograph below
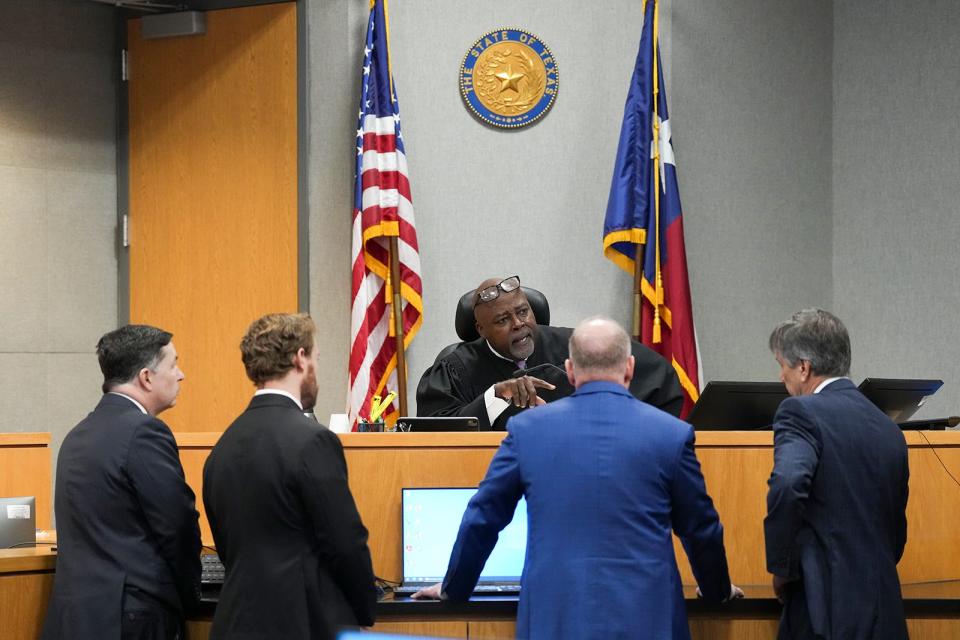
x=396 y=313
x=658 y=281
x=637 y=290
x=639 y=250
x=396 y=308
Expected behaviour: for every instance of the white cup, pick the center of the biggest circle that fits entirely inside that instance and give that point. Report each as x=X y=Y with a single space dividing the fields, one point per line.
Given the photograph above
x=339 y=423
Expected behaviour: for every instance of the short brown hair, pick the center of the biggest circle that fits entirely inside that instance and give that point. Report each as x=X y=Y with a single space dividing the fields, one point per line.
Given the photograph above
x=272 y=341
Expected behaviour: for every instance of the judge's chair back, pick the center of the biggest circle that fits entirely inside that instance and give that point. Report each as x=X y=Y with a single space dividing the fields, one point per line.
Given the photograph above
x=466 y=325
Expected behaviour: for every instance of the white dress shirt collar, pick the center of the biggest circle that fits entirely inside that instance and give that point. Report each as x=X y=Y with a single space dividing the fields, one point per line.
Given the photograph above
x=123 y=395
x=496 y=353
x=822 y=385
x=278 y=392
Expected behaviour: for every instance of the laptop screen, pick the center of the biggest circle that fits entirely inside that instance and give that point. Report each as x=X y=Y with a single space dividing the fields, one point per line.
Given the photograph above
x=737 y=405
x=899 y=399
x=431 y=519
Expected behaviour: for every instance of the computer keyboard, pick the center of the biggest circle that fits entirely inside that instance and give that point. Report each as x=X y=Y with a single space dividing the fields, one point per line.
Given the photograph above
x=480 y=590
x=211 y=569
x=499 y=589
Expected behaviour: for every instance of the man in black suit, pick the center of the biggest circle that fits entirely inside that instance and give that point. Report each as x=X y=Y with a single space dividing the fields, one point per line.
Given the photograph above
x=276 y=493
x=128 y=558
x=836 y=508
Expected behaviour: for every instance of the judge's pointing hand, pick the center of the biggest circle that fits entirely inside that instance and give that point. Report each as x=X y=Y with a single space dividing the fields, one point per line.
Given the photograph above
x=522 y=392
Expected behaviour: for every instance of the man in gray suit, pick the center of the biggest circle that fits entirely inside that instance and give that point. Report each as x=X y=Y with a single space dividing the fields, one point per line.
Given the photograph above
x=836 y=523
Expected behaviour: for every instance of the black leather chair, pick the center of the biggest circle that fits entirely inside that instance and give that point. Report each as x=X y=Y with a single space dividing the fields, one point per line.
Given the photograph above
x=466 y=325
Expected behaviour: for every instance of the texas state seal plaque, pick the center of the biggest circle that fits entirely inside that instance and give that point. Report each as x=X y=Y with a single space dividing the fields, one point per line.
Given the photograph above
x=509 y=78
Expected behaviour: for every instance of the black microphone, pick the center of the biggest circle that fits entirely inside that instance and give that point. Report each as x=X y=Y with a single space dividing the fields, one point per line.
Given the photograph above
x=931 y=424
x=539 y=370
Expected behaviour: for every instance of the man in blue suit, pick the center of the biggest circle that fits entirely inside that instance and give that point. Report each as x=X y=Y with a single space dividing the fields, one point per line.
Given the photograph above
x=836 y=523
x=606 y=479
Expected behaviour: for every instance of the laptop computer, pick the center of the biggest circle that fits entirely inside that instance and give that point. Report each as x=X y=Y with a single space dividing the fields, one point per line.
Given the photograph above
x=899 y=398
x=438 y=423
x=431 y=520
x=18 y=522
x=736 y=406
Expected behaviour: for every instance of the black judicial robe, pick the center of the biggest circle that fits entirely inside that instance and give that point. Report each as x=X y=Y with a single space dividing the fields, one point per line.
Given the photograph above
x=455 y=384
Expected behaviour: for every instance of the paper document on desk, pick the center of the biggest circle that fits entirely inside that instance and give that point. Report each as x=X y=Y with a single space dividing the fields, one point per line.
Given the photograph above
x=18 y=512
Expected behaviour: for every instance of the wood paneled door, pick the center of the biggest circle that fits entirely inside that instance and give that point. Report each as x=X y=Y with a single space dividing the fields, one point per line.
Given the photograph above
x=213 y=195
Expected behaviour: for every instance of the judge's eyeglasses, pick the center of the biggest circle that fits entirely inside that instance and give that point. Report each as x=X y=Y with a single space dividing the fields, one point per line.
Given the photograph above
x=493 y=292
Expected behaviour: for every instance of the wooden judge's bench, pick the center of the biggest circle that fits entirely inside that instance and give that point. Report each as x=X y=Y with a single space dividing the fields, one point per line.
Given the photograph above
x=736 y=465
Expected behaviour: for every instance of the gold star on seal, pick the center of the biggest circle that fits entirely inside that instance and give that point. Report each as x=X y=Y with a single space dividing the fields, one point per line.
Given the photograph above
x=509 y=80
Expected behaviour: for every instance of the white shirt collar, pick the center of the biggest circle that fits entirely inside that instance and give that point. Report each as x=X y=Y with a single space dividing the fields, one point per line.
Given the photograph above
x=278 y=392
x=123 y=395
x=823 y=384
x=496 y=353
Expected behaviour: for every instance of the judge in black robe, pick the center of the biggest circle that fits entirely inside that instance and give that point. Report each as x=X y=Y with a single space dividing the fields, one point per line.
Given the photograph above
x=459 y=383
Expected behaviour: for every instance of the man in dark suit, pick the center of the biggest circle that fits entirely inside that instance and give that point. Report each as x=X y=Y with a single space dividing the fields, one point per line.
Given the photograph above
x=607 y=478
x=128 y=557
x=836 y=522
x=276 y=493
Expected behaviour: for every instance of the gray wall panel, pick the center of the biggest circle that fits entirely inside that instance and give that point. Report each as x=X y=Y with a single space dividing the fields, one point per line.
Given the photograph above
x=58 y=268
x=897 y=188
x=81 y=262
x=334 y=39
x=750 y=102
x=23 y=243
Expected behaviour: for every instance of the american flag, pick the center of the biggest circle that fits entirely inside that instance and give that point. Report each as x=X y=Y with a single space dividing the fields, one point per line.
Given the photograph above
x=382 y=208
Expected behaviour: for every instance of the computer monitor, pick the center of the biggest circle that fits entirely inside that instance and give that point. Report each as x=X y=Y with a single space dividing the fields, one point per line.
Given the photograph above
x=18 y=522
x=438 y=423
x=899 y=398
x=735 y=406
x=431 y=520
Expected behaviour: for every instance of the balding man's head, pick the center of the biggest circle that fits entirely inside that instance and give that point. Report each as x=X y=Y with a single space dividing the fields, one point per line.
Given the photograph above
x=599 y=350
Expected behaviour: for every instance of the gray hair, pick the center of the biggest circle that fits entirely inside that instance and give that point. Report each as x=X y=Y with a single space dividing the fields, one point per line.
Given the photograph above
x=599 y=351
x=816 y=336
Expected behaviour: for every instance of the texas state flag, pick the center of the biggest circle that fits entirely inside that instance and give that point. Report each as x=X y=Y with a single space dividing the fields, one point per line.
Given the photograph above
x=644 y=211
